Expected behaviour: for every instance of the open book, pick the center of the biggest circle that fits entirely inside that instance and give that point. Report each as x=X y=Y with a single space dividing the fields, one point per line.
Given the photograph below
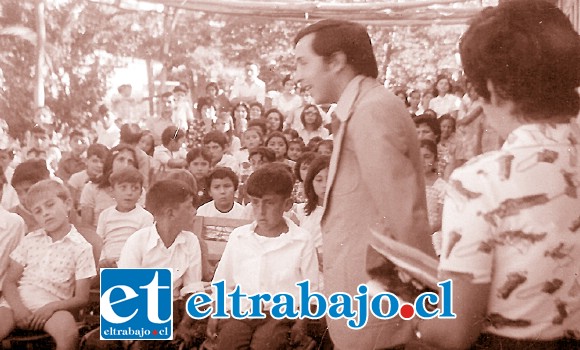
x=400 y=268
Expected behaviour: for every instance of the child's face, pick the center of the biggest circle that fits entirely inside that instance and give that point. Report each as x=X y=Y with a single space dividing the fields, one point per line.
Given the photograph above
x=146 y=143
x=123 y=159
x=94 y=167
x=446 y=128
x=269 y=211
x=255 y=112
x=252 y=139
x=175 y=145
x=319 y=184
x=78 y=145
x=126 y=194
x=428 y=160
x=50 y=211
x=22 y=190
x=274 y=121
x=304 y=170
x=5 y=159
x=256 y=161
x=222 y=125
x=443 y=86
x=414 y=99
x=278 y=145
x=310 y=115
x=324 y=150
x=294 y=151
x=199 y=168
x=424 y=132
x=222 y=192
x=241 y=112
x=216 y=151
x=184 y=215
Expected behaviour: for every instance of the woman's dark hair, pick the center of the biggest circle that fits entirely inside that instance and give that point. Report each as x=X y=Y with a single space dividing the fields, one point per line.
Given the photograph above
x=233 y=112
x=318 y=164
x=318 y=122
x=444 y=117
x=305 y=158
x=439 y=78
x=530 y=53
x=103 y=181
x=431 y=122
x=276 y=110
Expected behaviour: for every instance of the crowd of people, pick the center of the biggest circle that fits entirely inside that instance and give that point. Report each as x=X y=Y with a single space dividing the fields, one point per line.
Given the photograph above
x=483 y=174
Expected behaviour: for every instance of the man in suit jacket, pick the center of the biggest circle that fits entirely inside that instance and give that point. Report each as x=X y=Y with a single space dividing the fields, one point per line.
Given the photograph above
x=375 y=178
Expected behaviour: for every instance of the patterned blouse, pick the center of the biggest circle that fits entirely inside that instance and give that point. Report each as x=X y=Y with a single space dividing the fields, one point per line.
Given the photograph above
x=512 y=219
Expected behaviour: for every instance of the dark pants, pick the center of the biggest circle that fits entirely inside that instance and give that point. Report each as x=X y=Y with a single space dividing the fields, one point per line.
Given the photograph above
x=262 y=334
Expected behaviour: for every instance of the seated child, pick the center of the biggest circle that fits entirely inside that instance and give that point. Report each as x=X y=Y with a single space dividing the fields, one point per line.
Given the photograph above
x=223 y=183
x=96 y=156
x=199 y=165
x=49 y=273
x=325 y=147
x=118 y=222
x=295 y=148
x=25 y=176
x=269 y=255
x=172 y=139
x=168 y=243
x=217 y=144
x=12 y=231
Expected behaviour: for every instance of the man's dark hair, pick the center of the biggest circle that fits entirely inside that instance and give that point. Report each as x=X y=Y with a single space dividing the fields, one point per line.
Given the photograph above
x=165 y=194
x=273 y=178
x=332 y=35
x=33 y=170
x=223 y=173
x=530 y=52
x=171 y=132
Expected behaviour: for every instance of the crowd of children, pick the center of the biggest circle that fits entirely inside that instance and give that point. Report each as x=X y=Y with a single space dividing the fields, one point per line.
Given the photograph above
x=134 y=192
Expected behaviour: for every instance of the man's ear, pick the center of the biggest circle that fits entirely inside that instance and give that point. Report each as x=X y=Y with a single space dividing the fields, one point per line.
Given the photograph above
x=338 y=61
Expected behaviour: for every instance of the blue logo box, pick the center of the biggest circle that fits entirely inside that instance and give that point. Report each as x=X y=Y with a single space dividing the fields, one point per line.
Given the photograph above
x=136 y=304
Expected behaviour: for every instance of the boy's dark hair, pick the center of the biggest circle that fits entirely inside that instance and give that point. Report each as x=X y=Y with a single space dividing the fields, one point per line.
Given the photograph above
x=530 y=52
x=332 y=35
x=267 y=154
x=171 y=133
x=165 y=194
x=214 y=84
x=75 y=133
x=223 y=173
x=305 y=158
x=273 y=178
x=197 y=152
x=319 y=163
x=126 y=175
x=328 y=143
x=298 y=142
x=99 y=150
x=216 y=136
x=130 y=133
x=260 y=124
x=33 y=170
x=50 y=186
x=313 y=143
x=185 y=177
x=431 y=122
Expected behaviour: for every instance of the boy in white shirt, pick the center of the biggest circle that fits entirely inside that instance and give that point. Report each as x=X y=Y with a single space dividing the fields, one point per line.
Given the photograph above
x=270 y=255
x=172 y=140
x=223 y=184
x=12 y=230
x=118 y=222
x=216 y=142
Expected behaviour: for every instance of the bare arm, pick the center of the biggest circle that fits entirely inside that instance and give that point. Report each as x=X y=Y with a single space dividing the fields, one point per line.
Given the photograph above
x=10 y=290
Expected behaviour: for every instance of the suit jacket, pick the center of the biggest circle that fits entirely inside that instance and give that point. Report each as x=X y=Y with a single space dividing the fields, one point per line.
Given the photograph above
x=375 y=181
